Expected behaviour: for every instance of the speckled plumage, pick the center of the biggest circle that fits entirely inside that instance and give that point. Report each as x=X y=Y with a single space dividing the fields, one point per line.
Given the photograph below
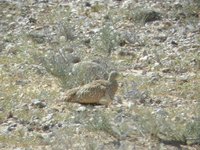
x=96 y=92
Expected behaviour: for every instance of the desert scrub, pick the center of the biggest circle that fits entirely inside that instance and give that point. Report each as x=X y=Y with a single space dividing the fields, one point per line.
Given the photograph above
x=62 y=23
x=160 y=126
x=193 y=131
x=143 y=15
x=185 y=87
x=186 y=12
x=189 y=90
x=168 y=125
x=193 y=127
x=63 y=139
x=101 y=122
x=19 y=139
x=132 y=91
x=55 y=14
x=97 y=7
x=71 y=73
x=146 y=123
x=106 y=40
x=66 y=29
x=197 y=4
x=59 y=66
x=135 y=88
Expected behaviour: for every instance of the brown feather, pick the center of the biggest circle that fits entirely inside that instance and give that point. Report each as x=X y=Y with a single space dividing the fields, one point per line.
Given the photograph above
x=96 y=92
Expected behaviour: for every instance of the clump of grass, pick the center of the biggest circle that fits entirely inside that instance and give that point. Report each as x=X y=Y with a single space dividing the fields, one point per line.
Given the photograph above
x=143 y=15
x=196 y=3
x=146 y=124
x=63 y=139
x=160 y=127
x=193 y=131
x=193 y=127
x=100 y=122
x=169 y=127
x=73 y=138
x=58 y=66
x=187 y=90
x=66 y=29
x=132 y=91
x=97 y=7
x=19 y=139
x=135 y=89
x=187 y=12
x=106 y=41
x=72 y=74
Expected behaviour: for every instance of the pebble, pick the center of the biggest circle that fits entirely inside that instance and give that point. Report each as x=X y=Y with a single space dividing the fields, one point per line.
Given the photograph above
x=172 y=41
x=81 y=109
x=38 y=103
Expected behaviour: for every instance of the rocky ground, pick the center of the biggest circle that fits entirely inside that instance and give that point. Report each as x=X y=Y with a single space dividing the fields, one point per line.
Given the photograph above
x=49 y=46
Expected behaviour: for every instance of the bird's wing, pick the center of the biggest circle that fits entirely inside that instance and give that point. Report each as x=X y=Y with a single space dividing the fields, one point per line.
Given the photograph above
x=91 y=89
x=106 y=100
x=91 y=93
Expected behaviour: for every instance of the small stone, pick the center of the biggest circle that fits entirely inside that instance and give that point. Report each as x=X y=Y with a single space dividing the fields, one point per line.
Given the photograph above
x=1 y=109
x=38 y=103
x=81 y=109
x=62 y=38
x=174 y=43
x=161 y=112
x=126 y=53
x=12 y=127
x=59 y=125
x=158 y=101
x=25 y=106
x=87 y=4
x=32 y=20
x=68 y=49
x=75 y=59
x=46 y=127
x=183 y=79
x=166 y=70
x=143 y=59
x=154 y=77
x=21 y=82
x=48 y=117
x=10 y=115
x=138 y=66
x=161 y=38
x=30 y=128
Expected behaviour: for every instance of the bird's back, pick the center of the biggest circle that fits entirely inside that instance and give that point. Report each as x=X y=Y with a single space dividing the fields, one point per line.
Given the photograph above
x=95 y=92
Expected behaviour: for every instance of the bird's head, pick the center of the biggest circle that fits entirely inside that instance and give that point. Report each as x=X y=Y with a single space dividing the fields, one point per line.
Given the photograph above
x=113 y=75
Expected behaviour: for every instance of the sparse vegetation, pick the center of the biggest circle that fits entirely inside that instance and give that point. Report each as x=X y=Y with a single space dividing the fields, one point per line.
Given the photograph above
x=71 y=73
x=106 y=41
x=47 y=48
x=101 y=123
x=143 y=15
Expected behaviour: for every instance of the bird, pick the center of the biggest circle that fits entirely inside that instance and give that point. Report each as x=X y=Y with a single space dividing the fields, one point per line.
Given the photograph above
x=96 y=92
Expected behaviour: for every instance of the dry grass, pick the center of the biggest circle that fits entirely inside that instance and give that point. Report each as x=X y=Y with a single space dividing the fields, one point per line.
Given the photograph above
x=21 y=82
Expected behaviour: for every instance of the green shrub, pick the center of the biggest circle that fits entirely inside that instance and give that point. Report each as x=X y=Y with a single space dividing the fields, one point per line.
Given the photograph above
x=61 y=65
x=100 y=122
x=143 y=15
x=106 y=41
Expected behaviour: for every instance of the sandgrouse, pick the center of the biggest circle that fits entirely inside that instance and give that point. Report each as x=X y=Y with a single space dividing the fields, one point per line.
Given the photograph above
x=97 y=92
